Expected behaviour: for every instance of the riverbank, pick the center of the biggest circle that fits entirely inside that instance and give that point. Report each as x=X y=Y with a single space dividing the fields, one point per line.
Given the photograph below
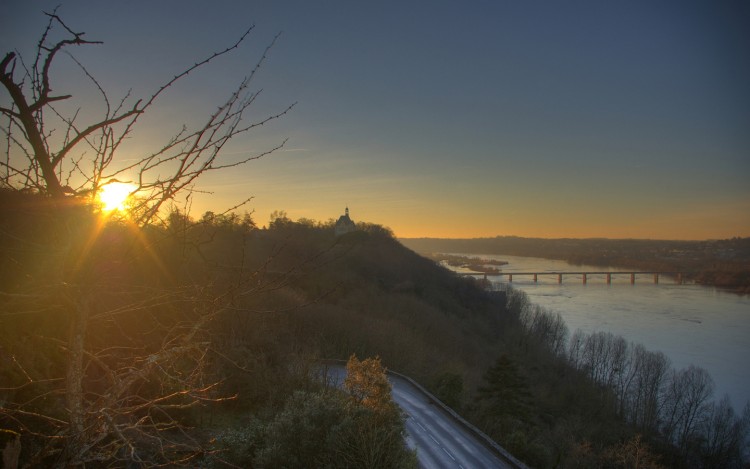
x=723 y=264
x=690 y=323
x=473 y=264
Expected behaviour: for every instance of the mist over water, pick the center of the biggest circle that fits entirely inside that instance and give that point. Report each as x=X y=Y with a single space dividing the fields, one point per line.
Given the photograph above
x=690 y=324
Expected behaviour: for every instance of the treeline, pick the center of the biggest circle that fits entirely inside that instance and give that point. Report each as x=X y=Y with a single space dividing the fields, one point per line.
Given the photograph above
x=599 y=401
x=720 y=263
x=674 y=405
x=674 y=410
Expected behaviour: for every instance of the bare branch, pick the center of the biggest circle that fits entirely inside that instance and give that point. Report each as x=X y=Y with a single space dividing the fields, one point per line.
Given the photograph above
x=9 y=112
x=77 y=40
x=32 y=132
x=197 y=65
x=91 y=129
x=131 y=352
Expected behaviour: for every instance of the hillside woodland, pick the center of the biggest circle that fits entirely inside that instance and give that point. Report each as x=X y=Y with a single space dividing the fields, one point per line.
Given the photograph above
x=202 y=342
x=149 y=338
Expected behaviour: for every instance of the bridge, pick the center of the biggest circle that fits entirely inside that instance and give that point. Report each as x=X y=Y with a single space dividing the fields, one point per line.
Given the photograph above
x=678 y=276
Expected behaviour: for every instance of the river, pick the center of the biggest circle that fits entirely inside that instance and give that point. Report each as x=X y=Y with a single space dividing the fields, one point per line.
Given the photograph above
x=690 y=324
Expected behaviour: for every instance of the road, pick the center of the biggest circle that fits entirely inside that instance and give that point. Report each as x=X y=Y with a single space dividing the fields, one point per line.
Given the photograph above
x=440 y=440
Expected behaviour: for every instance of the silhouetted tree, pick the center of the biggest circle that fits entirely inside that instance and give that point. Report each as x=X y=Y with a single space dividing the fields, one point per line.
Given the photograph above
x=37 y=159
x=547 y=328
x=724 y=436
x=645 y=394
x=687 y=403
x=134 y=351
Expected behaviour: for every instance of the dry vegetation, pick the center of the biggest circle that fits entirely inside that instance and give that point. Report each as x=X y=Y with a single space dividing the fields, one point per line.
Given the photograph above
x=241 y=316
x=153 y=339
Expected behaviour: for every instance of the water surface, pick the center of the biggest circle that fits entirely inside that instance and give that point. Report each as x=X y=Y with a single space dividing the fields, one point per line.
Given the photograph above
x=691 y=324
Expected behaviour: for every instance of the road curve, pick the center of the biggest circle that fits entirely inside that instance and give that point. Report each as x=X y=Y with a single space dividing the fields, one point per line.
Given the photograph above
x=441 y=441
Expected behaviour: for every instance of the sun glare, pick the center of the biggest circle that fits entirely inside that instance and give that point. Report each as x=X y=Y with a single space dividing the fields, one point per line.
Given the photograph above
x=113 y=196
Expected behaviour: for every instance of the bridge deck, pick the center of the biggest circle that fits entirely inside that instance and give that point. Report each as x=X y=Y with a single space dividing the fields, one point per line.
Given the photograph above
x=584 y=274
x=570 y=272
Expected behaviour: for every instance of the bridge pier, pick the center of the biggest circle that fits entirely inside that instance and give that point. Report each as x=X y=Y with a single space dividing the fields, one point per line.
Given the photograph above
x=559 y=278
x=584 y=279
x=510 y=278
x=535 y=278
x=656 y=278
x=679 y=278
x=632 y=279
x=609 y=279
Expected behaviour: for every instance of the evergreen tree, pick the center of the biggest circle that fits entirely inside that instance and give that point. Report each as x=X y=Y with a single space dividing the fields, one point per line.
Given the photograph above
x=505 y=393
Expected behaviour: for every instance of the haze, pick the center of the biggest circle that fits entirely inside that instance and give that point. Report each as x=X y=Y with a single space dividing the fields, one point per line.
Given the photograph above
x=452 y=119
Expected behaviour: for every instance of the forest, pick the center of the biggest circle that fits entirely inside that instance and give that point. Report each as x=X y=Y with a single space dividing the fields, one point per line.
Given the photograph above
x=203 y=339
x=142 y=336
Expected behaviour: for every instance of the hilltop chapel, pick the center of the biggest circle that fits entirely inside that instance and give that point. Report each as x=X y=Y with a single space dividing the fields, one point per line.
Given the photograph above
x=344 y=224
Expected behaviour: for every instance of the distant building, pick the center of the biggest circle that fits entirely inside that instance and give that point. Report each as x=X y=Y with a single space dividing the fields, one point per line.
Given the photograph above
x=344 y=224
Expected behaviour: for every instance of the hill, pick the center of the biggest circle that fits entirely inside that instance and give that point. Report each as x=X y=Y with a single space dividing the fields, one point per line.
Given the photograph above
x=199 y=341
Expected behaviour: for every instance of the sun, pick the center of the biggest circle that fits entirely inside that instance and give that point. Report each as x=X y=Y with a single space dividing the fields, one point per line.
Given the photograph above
x=114 y=195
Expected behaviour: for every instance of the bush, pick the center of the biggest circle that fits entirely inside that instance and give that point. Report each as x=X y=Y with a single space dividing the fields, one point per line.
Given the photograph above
x=328 y=429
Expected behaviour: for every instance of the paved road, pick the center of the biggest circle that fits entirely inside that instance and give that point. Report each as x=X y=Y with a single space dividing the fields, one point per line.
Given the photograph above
x=439 y=440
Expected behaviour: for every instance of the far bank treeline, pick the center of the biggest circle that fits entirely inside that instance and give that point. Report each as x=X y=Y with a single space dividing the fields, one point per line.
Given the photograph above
x=720 y=263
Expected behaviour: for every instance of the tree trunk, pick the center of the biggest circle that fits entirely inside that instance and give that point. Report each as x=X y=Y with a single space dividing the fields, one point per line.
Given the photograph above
x=74 y=376
x=11 y=452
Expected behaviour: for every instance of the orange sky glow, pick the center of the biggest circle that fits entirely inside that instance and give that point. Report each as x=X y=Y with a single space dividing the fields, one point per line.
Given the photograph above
x=624 y=120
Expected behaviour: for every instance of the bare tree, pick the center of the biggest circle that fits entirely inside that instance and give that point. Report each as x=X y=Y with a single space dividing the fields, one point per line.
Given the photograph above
x=596 y=353
x=608 y=360
x=724 y=436
x=645 y=395
x=687 y=402
x=37 y=158
x=656 y=399
x=548 y=328
x=135 y=345
x=575 y=349
x=620 y=370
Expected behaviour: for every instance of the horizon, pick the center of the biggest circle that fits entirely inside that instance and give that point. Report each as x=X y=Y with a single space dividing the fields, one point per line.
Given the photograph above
x=578 y=239
x=478 y=120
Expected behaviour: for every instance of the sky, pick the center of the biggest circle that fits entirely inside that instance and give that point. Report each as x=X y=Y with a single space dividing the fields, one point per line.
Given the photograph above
x=444 y=118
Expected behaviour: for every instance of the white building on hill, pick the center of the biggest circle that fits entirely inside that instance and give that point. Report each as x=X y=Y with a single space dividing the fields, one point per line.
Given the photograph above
x=344 y=224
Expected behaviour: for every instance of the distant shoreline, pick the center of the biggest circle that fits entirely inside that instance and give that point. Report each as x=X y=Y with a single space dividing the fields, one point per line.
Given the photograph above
x=475 y=264
x=722 y=264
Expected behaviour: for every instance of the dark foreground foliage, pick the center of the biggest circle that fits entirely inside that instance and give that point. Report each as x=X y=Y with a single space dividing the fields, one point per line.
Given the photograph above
x=203 y=339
